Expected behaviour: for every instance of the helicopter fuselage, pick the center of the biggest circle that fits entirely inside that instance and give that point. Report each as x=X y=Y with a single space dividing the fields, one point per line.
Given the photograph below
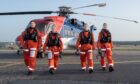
x=68 y=28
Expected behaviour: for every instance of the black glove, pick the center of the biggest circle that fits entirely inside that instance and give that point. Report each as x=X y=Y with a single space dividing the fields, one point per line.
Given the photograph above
x=21 y=47
x=99 y=52
x=77 y=52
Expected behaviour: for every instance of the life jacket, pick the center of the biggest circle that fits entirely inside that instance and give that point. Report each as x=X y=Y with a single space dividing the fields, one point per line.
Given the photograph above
x=53 y=41
x=31 y=35
x=84 y=39
x=105 y=36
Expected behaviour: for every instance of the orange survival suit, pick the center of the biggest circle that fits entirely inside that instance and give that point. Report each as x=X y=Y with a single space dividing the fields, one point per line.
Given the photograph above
x=105 y=44
x=32 y=42
x=85 y=43
x=54 y=47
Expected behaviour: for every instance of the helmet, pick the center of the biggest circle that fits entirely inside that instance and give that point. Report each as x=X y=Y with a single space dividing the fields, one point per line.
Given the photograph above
x=85 y=26
x=104 y=25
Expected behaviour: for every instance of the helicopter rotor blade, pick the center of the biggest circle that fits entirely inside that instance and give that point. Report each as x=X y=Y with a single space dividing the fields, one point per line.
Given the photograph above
x=89 y=14
x=99 y=5
x=28 y=12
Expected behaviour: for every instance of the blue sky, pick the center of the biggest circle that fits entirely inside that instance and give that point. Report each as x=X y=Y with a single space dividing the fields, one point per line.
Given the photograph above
x=12 y=26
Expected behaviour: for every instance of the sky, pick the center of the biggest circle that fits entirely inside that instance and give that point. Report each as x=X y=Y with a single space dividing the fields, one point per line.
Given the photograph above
x=12 y=26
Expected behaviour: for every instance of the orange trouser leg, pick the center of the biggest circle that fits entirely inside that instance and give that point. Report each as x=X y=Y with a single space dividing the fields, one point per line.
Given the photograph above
x=32 y=60
x=26 y=58
x=109 y=57
x=56 y=61
x=83 y=60
x=90 y=60
x=51 y=62
x=32 y=63
x=102 y=61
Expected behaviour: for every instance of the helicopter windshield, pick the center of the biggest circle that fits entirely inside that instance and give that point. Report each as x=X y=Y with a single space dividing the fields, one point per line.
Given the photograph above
x=49 y=27
x=45 y=28
x=41 y=27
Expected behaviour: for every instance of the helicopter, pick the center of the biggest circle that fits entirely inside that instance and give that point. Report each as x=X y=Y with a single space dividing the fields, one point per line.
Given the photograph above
x=69 y=28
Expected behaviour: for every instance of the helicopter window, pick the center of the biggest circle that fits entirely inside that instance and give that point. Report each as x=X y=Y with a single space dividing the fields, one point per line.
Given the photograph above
x=74 y=34
x=69 y=33
x=49 y=27
x=73 y=21
x=41 y=27
x=66 y=32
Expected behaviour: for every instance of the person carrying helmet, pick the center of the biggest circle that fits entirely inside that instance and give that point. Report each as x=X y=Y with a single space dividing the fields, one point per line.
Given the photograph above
x=85 y=43
x=54 y=47
x=105 y=45
x=32 y=42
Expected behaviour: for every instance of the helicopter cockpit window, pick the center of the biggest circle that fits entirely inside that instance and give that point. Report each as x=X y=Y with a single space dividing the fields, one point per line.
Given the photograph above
x=45 y=28
x=41 y=27
x=73 y=21
x=49 y=27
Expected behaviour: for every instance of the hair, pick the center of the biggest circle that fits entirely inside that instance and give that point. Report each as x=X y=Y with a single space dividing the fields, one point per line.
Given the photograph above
x=49 y=19
x=29 y=26
x=31 y=22
x=85 y=25
x=104 y=24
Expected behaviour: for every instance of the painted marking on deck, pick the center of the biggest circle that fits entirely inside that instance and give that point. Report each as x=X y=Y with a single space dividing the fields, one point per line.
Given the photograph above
x=18 y=63
x=9 y=65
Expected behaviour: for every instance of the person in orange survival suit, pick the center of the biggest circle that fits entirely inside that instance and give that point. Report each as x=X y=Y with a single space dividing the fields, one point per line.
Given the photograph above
x=85 y=43
x=105 y=46
x=32 y=42
x=54 y=49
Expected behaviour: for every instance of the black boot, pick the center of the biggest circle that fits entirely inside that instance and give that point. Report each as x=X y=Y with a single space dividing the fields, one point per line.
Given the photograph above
x=103 y=68
x=84 y=70
x=51 y=71
x=30 y=73
x=111 y=69
x=90 y=71
x=18 y=52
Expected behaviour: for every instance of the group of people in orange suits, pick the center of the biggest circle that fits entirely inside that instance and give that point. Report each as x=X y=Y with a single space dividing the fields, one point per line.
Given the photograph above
x=86 y=45
x=30 y=42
